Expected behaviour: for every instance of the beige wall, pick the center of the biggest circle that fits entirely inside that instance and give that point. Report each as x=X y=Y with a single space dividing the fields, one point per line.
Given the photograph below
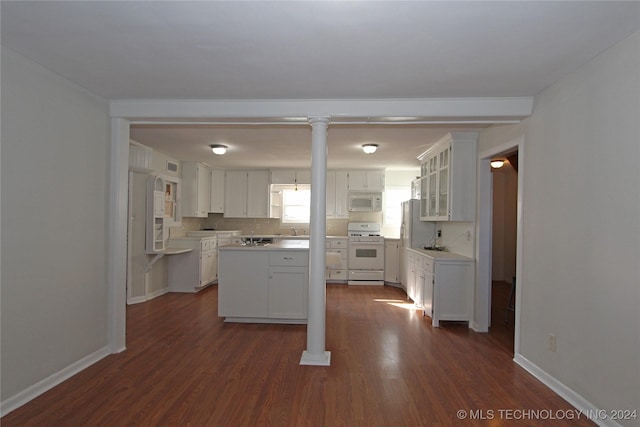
x=55 y=154
x=581 y=241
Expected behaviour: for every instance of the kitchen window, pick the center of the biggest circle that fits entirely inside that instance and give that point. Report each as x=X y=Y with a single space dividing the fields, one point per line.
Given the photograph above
x=296 y=204
x=392 y=214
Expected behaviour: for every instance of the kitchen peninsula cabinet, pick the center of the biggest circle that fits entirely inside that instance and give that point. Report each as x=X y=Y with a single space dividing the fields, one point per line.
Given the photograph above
x=264 y=284
x=448 y=178
x=246 y=194
x=441 y=283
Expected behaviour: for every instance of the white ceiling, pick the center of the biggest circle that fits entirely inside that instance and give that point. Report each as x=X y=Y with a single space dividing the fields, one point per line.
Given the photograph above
x=310 y=50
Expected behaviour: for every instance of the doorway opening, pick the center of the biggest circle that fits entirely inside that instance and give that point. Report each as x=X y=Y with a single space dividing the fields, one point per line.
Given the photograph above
x=504 y=214
x=483 y=320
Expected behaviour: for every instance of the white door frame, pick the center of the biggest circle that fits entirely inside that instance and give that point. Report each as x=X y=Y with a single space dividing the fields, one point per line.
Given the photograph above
x=482 y=313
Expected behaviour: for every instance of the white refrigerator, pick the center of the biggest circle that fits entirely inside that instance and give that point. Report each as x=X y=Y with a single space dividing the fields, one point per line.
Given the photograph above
x=413 y=234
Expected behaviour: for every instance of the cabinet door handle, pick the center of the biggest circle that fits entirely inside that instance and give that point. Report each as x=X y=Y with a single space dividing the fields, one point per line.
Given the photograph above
x=288 y=257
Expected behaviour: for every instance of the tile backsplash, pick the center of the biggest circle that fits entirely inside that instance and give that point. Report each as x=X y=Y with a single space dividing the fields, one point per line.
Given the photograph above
x=335 y=227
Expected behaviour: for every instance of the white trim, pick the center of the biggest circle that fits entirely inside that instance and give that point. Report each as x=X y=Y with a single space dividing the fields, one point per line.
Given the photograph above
x=118 y=219
x=482 y=312
x=586 y=408
x=149 y=297
x=51 y=381
x=296 y=111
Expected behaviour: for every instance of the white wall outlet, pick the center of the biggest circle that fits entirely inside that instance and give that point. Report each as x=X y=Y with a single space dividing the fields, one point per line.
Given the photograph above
x=551 y=342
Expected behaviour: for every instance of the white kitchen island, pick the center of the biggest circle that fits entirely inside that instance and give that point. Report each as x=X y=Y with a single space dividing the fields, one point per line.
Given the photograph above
x=264 y=284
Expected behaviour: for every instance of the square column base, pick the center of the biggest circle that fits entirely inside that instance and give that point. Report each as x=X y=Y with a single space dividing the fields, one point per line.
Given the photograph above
x=322 y=360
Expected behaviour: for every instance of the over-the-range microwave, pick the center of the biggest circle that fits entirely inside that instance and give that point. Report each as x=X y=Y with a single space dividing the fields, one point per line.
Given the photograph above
x=365 y=202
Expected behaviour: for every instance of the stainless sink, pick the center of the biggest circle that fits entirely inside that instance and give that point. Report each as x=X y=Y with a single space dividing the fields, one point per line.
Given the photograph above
x=255 y=244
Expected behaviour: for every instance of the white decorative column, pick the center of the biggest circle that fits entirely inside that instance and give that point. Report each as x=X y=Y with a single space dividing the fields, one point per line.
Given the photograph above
x=315 y=354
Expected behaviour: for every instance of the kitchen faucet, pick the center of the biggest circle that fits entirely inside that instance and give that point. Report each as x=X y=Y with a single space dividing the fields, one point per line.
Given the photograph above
x=295 y=232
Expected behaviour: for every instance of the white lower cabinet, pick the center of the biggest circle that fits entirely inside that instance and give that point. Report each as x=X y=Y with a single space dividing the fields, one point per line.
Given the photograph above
x=192 y=271
x=339 y=273
x=411 y=275
x=442 y=284
x=392 y=261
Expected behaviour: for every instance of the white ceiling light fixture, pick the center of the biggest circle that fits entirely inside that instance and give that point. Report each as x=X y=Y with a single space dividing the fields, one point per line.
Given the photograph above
x=218 y=149
x=497 y=164
x=369 y=148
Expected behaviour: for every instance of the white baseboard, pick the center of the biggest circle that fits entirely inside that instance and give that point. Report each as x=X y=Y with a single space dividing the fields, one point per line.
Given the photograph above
x=51 y=381
x=144 y=298
x=587 y=409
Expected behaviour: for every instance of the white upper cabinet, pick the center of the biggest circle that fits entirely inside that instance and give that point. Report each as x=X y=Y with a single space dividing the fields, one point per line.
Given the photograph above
x=235 y=194
x=196 y=183
x=366 y=180
x=290 y=176
x=216 y=194
x=337 y=194
x=449 y=178
x=246 y=194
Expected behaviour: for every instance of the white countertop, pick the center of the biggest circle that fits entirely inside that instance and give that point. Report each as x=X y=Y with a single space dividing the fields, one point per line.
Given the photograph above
x=441 y=255
x=177 y=251
x=283 y=245
x=211 y=233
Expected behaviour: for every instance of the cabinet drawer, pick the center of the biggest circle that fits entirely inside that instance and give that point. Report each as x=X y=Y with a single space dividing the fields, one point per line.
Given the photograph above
x=339 y=243
x=427 y=264
x=337 y=275
x=343 y=253
x=294 y=259
x=205 y=245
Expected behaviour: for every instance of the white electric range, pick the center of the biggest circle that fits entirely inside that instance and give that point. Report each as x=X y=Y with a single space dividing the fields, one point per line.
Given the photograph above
x=366 y=254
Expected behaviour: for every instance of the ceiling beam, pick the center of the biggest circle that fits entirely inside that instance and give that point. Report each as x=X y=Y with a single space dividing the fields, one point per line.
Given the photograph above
x=368 y=111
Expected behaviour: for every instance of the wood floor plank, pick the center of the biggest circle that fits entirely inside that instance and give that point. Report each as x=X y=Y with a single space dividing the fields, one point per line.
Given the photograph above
x=185 y=367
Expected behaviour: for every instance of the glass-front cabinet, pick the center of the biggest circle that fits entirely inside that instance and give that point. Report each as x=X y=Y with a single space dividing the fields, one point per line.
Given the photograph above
x=448 y=170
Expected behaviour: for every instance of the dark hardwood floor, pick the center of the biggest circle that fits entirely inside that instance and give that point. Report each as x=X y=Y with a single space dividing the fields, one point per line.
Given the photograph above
x=185 y=367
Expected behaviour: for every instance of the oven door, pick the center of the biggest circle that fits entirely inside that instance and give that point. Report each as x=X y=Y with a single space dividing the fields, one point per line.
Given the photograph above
x=366 y=255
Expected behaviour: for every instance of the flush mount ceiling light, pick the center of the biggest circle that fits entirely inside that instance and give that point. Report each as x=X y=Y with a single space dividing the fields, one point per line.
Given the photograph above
x=497 y=164
x=218 y=149
x=369 y=148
